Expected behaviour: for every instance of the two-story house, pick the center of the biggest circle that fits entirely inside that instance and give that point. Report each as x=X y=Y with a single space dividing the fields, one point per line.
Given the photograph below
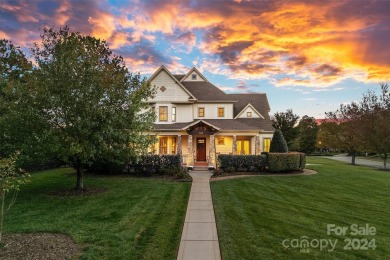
x=199 y=121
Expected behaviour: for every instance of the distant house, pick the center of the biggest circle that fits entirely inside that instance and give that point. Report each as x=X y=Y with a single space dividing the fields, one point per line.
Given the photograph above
x=199 y=121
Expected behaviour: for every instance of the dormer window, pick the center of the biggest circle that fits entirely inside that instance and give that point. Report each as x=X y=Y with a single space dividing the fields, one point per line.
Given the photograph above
x=193 y=76
x=200 y=111
x=221 y=112
x=248 y=114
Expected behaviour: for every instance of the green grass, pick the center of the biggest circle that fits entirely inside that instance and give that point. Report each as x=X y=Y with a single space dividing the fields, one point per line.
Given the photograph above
x=137 y=218
x=255 y=214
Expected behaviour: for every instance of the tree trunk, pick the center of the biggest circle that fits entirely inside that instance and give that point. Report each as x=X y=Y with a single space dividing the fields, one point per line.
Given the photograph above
x=80 y=183
x=353 y=158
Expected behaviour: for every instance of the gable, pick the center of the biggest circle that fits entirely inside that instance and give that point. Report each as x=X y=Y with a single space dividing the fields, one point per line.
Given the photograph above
x=168 y=88
x=194 y=76
x=249 y=112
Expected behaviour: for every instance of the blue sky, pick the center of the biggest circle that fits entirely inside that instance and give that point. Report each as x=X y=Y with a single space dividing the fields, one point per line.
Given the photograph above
x=310 y=56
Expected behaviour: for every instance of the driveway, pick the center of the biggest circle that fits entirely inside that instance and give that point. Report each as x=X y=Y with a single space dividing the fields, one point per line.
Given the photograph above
x=358 y=161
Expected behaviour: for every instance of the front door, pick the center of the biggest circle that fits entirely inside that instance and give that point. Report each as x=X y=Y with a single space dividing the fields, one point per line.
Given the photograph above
x=201 y=149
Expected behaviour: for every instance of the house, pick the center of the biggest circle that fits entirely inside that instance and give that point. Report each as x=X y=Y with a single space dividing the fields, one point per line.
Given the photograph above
x=199 y=121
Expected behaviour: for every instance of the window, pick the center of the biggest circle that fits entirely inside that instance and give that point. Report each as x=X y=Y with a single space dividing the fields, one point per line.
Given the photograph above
x=221 y=112
x=200 y=111
x=163 y=146
x=243 y=147
x=221 y=140
x=173 y=114
x=173 y=146
x=248 y=114
x=193 y=76
x=266 y=144
x=163 y=113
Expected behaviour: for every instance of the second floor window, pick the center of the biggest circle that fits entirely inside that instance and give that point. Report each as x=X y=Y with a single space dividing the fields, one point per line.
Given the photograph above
x=173 y=114
x=221 y=112
x=200 y=111
x=248 y=114
x=163 y=113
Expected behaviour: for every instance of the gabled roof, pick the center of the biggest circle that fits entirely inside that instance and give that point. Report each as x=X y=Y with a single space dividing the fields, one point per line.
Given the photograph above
x=162 y=67
x=258 y=101
x=179 y=76
x=253 y=108
x=192 y=70
x=205 y=91
x=201 y=121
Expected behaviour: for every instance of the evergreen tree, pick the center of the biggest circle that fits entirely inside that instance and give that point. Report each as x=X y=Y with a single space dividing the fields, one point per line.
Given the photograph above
x=278 y=143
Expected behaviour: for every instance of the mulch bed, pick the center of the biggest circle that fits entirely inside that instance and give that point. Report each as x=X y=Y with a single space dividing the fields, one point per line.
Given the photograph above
x=39 y=246
x=233 y=176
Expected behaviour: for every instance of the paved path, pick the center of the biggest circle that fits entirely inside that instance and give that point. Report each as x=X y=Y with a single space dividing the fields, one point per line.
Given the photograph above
x=358 y=161
x=199 y=240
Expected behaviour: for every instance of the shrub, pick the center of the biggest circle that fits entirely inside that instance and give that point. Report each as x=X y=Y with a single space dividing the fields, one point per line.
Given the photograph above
x=241 y=163
x=159 y=164
x=302 y=161
x=278 y=143
x=284 y=162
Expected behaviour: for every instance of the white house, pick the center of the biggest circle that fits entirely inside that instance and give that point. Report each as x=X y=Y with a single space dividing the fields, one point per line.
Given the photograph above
x=199 y=121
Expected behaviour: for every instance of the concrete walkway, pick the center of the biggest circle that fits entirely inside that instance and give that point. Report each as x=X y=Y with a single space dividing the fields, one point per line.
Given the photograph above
x=358 y=161
x=199 y=239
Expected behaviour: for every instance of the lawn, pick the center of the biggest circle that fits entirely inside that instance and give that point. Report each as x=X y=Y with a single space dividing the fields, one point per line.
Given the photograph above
x=256 y=214
x=136 y=218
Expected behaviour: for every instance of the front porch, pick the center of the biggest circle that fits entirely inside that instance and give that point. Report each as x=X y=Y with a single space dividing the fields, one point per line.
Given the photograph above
x=200 y=144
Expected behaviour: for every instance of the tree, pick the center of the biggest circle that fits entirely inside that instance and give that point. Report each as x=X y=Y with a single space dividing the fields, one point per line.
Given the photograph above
x=278 y=143
x=10 y=180
x=374 y=124
x=342 y=130
x=89 y=103
x=286 y=122
x=308 y=130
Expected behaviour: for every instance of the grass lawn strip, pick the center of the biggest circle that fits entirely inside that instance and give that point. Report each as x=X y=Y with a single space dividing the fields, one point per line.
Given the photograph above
x=136 y=218
x=254 y=215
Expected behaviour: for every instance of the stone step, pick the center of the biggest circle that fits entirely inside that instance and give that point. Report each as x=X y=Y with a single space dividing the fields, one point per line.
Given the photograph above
x=201 y=168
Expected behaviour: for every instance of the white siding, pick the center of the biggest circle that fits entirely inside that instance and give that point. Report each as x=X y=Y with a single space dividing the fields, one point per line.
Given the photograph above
x=249 y=109
x=211 y=111
x=173 y=92
x=184 y=113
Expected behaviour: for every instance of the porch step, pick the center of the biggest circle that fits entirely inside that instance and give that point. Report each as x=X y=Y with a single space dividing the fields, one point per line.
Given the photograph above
x=201 y=168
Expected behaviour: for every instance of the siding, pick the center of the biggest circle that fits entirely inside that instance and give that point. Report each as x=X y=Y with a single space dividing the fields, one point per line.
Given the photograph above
x=211 y=111
x=249 y=109
x=173 y=92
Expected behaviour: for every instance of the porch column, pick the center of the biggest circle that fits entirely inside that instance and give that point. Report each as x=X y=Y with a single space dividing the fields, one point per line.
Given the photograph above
x=234 y=145
x=212 y=151
x=190 y=158
x=179 y=145
x=261 y=144
x=257 y=145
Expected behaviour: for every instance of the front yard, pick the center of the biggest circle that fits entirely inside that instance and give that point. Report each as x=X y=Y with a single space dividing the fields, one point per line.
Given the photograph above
x=136 y=218
x=255 y=215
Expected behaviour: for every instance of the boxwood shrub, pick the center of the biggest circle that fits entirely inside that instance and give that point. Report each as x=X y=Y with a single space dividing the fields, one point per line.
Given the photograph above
x=286 y=162
x=155 y=164
x=241 y=163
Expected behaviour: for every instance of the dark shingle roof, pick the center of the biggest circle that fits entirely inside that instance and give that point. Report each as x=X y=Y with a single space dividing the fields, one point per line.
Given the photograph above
x=256 y=124
x=179 y=76
x=205 y=91
x=258 y=101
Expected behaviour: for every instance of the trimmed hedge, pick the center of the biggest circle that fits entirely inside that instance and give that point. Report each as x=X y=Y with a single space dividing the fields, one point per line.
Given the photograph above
x=286 y=162
x=242 y=163
x=155 y=164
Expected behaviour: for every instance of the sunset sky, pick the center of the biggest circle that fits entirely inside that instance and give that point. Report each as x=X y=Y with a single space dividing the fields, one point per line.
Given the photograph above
x=310 y=56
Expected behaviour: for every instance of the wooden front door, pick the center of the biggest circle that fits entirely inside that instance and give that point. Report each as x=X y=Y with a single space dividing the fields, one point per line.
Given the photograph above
x=201 y=149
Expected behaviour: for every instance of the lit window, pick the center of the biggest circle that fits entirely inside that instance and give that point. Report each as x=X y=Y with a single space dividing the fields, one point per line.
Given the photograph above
x=221 y=140
x=163 y=147
x=248 y=114
x=200 y=111
x=163 y=113
x=173 y=147
x=193 y=76
x=173 y=114
x=221 y=112
x=266 y=144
